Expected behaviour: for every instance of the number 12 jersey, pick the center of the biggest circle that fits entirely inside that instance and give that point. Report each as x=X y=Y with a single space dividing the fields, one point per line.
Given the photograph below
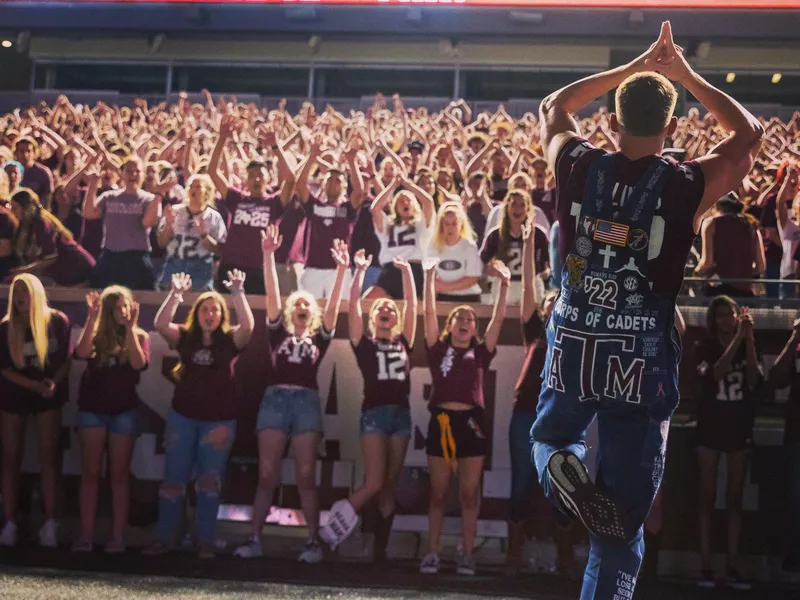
x=386 y=368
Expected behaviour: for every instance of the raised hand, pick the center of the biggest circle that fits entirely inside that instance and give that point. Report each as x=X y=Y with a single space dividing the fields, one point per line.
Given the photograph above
x=361 y=260
x=133 y=317
x=47 y=388
x=181 y=283
x=665 y=57
x=271 y=240
x=235 y=281
x=429 y=264
x=340 y=254
x=527 y=230
x=169 y=216
x=401 y=263
x=93 y=303
x=502 y=272
x=746 y=323
x=796 y=326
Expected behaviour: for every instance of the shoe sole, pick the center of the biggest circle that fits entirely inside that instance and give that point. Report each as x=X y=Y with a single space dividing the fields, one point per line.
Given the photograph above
x=597 y=511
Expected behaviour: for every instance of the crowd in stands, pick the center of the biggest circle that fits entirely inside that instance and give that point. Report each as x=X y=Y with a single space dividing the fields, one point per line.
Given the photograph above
x=132 y=195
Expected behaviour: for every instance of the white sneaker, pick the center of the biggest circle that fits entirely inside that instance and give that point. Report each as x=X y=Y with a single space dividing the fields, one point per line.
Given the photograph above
x=342 y=521
x=250 y=549
x=429 y=564
x=8 y=537
x=48 y=534
x=311 y=554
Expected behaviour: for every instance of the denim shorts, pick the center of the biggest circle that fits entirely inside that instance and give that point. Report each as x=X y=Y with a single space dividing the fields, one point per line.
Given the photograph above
x=200 y=270
x=291 y=410
x=388 y=420
x=126 y=423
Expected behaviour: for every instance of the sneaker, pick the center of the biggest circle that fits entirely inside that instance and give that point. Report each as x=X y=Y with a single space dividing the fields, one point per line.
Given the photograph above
x=466 y=565
x=342 y=521
x=734 y=580
x=156 y=548
x=82 y=545
x=8 y=537
x=707 y=580
x=115 y=547
x=597 y=510
x=48 y=534
x=250 y=549
x=311 y=554
x=429 y=564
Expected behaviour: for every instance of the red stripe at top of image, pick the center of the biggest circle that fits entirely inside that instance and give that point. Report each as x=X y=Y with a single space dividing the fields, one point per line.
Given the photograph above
x=673 y=4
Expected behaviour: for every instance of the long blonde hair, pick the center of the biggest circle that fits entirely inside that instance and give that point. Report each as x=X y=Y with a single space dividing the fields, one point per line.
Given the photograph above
x=109 y=337
x=376 y=304
x=316 y=314
x=208 y=190
x=416 y=211
x=38 y=320
x=465 y=230
x=504 y=226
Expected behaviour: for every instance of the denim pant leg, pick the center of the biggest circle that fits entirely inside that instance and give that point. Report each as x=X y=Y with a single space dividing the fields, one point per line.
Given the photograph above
x=632 y=451
x=180 y=444
x=793 y=497
x=561 y=424
x=214 y=448
x=523 y=471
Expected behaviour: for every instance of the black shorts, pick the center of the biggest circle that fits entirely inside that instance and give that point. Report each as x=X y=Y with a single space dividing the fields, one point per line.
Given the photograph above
x=133 y=269
x=464 y=434
x=25 y=404
x=391 y=280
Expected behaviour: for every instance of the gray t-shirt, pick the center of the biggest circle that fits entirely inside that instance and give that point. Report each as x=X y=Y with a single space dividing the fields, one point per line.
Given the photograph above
x=122 y=220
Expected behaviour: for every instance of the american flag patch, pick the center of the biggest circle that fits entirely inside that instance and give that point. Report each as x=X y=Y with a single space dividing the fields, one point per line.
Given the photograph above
x=609 y=232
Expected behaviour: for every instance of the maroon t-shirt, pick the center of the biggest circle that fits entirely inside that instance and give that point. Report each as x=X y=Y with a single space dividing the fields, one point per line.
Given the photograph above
x=58 y=351
x=386 y=369
x=672 y=232
x=546 y=200
x=773 y=252
x=110 y=389
x=364 y=237
x=734 y=248
x=295 y=361
x=529 y=383
x=457 y=373
x=39 y=179
x=207 y=389
x=326 y=222
x=725 y=408
x=247 y=218
x=73 y=264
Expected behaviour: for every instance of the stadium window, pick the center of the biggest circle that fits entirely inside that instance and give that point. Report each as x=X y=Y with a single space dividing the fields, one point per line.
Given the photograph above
x=124 y=78
x=504 y=84
x=267 y=81
x=354 y=83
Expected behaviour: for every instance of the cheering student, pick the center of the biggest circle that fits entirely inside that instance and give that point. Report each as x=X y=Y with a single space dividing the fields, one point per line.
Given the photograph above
x=127 y=214
x=35 y=176
x=192 y=233
x=728 y=364
x=34 y=364
x=457 y=435
x=201 y=424
x=299 y=337
x=117 y=350
x=43 y=246
x=460 y=266
x=623 y=269
x=402 y=233
x=8 y=230
x=383 y=358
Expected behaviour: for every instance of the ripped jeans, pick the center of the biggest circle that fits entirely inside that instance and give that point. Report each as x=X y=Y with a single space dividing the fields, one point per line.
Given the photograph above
x=199 y=450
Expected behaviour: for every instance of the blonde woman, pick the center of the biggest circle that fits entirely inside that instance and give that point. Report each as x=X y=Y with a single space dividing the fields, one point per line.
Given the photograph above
x=201 y=424
x=192 y=233
x=460 y=266
x=117 y=350
x=402 y=233
x=457 y=438
x=383 y=358
x=299 y=337
x=34 y=364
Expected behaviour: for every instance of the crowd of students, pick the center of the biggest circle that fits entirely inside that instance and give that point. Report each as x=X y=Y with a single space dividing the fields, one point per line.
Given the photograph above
x=385 y=205
x=132 y=195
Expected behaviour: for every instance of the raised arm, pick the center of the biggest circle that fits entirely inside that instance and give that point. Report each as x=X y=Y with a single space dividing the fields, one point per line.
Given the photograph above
x=83 y=349
x=705 y=265
x=152 y=214
x=244 y=316
x=356 y=180
x=271 y=240
x=302 y=179
x=761 y=257
x=425 y=200
x=168 y=330
x=355 y=319
x=381 y=200
x=226 y=127
x=91 y=204
x=429 y=306
x=499 y=314
x=286 y=169
x=781 y=370
x=132 y=342
x=753 y=368
x=787 y=192
x=409 y=300
x=530 y=292
x=342 y=257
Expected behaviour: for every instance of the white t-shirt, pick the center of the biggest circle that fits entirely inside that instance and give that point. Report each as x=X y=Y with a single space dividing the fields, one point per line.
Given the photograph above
x=457 y=261
x=789 y=235
x=540 y=219
x=406 y=241
x=185 y=243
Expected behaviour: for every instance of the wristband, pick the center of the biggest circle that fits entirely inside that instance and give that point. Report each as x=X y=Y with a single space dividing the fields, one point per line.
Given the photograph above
x=236 y=291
